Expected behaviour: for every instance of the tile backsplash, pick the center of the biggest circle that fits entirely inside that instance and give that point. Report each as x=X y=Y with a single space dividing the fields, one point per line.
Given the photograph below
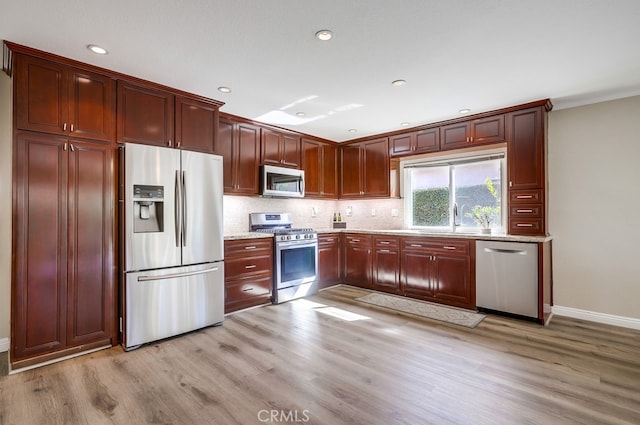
x=237 y=209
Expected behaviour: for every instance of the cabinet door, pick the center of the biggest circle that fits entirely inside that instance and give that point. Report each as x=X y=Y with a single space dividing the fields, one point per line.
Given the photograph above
x=454 y=135
x=90 y=262
x=41 y=94
x=402 y=144
x=357 y=261
x=196 y=124
x=247 y=151
x=224 y=146
x=351 y=176
x=329 y=174
x=418 y=274
x=453 y=283
x=427 y=140
x=328 y=260
x=487 y=130
x=92 y=106
x=376 y=167
x=270 y=147
x=40 y=213
x=386 y=269
x=525 y=133
x=145 y=115
x=290 y=151
x=311 y=164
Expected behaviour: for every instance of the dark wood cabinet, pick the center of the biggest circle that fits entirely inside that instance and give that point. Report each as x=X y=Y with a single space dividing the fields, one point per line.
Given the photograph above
x=320 y=165
x=196 y=124
x=357 y=259
x=63 y=290
x=58 y=99
x=415 y=142
x=439 y=270
x=386 y=264
x=145 y=115
x=329 y=260
x=365 y=169
x=474 y=132
x=281 y=149
x=526 y=171
x=239 y=144
x=248 y=272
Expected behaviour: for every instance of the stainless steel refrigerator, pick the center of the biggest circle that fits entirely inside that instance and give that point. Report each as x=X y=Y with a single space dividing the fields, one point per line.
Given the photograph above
x=171 y=225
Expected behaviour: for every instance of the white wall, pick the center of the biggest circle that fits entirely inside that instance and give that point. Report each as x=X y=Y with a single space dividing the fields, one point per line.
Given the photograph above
x=5 y=208
x=594 y=201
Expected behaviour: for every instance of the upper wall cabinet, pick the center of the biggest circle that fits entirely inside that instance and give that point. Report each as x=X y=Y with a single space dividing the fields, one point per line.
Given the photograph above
x=416 y=142
x=58 y=99
x=320 y=165
x=280 y=149
x=475 y=132
x=196 y=124
x=365 y=169
x=239 y=144
x=145 y=115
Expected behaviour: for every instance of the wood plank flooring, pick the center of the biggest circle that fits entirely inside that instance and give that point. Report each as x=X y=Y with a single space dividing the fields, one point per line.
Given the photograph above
x=309 y=362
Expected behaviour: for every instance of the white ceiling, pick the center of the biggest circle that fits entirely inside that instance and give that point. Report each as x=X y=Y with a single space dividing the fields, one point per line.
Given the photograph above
x=454 y=54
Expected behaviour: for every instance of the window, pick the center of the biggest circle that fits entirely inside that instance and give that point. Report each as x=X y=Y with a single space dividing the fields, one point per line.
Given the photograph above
x=462 y=193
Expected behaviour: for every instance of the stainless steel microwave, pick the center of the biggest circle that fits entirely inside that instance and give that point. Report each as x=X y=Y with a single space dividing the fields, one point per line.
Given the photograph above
x=282 y=182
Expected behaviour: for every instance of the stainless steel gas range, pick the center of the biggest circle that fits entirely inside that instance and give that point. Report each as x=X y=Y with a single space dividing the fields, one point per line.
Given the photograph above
x=295 y=256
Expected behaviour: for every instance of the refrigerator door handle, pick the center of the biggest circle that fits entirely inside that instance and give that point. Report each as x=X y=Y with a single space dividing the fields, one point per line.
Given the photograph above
x=175 y=275
x=184 y=208
x=176 y=209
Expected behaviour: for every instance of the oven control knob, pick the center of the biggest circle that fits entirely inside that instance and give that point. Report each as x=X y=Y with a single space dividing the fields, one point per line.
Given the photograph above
x=297 y=236
x=288 y=238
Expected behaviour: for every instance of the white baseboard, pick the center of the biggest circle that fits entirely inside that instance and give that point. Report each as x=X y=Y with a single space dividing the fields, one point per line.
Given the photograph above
x=592 y=316
x=4 y=345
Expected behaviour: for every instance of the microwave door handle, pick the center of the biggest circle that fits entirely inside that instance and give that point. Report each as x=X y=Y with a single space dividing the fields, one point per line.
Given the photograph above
x=301 y=185
x=184 y=208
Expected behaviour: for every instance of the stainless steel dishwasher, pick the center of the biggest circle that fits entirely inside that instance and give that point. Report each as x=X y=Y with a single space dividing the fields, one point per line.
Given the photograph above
x=507 y=277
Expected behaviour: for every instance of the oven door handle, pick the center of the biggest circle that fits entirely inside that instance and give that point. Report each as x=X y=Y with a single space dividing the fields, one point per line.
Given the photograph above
x=296 y=244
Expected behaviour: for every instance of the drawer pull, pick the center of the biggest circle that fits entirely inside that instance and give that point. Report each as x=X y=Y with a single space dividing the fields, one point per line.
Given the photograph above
x=253 y=266
x=524 y=196
x=247 y=289
x=384 y=250
x=524 y=225
x=524 y=211
x=384 y=242
x=416 y=245
x=249 y=247
x=449 y=247
x=355 y=240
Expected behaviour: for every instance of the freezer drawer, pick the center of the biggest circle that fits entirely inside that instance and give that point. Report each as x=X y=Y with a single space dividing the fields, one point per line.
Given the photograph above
x=507 y=277
x=167 y=302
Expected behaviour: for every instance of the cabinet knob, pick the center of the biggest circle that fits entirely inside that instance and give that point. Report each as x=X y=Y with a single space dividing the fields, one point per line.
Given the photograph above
x=71 y=128
x=64 y=127
x=170 y=143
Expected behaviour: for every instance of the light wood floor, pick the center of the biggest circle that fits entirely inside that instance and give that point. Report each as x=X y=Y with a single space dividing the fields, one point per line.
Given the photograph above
x=304 y=364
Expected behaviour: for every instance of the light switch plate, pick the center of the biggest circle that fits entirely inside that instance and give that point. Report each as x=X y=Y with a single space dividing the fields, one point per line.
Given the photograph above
x=394 y=212
x=373 y=212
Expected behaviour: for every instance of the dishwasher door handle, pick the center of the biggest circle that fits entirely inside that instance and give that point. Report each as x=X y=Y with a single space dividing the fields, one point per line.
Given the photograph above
x=506 y=251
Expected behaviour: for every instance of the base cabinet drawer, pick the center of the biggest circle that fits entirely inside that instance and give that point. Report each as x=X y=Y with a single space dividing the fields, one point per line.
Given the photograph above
x=248 y=273
x=524 y=226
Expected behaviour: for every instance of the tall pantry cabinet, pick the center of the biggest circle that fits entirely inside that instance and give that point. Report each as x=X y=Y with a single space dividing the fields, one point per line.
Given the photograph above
x=63 y=290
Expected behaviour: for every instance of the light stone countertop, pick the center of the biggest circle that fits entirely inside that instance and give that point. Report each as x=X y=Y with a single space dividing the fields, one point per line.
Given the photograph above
x=408 y=232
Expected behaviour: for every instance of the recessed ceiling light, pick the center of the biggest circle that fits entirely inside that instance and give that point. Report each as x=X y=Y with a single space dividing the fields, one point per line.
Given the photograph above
x=300 y=114
x=352 y=130
x=464 y=111
x=399 y=83
x=324 y=35
x=404 y=124
x=223 y=89
x=97 y=49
